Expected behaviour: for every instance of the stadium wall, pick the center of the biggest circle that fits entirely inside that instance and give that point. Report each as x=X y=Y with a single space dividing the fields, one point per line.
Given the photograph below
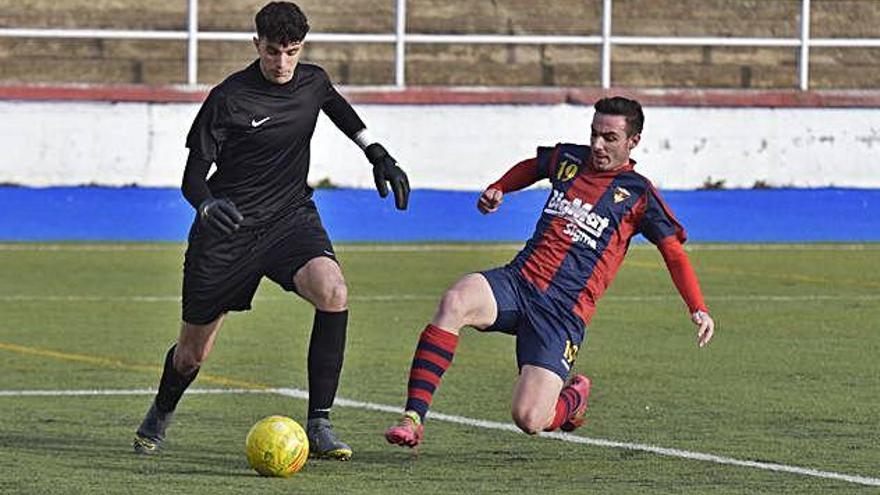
x=463 y=142
x=358 y=215
x=55 y=140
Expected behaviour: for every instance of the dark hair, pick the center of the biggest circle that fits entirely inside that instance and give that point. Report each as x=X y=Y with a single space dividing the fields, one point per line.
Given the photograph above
x=281 y=22
x=631 y=109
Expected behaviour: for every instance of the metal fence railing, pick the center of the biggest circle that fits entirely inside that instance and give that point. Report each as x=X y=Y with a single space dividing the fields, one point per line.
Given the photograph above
x=401 y=38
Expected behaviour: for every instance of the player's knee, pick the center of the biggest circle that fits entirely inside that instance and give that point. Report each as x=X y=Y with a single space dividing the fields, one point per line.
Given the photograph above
x=529 y=420
x=334 y=297
x=187 y=361
x=453 y=305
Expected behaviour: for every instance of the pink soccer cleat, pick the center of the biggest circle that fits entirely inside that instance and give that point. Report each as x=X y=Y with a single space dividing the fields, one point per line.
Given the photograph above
x=407 y=432
x=580 y=384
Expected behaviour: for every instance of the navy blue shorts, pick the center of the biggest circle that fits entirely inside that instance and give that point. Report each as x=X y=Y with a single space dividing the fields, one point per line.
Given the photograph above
x=547 y=334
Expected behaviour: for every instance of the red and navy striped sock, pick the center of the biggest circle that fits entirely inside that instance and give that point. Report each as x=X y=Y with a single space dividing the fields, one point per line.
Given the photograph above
x=432 y=357
x=566 y=404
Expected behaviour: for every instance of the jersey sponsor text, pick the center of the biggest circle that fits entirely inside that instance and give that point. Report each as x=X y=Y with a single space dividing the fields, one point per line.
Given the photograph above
x=584 y=225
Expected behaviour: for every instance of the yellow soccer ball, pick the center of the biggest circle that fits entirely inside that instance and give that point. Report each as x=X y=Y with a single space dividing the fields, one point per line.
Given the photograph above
x=277 y=446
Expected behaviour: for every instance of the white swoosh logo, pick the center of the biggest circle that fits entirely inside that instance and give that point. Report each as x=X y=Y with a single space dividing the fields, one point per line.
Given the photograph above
x=258 y=123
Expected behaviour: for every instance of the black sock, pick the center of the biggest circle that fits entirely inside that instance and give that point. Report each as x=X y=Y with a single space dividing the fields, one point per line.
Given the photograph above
x=172 y=385
x=326 y=352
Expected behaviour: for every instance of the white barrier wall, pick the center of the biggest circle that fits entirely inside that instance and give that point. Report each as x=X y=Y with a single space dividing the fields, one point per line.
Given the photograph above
x=454 y=146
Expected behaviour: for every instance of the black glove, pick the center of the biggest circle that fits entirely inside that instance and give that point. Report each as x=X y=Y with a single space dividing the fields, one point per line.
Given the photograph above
x=220 y=215
x=385 y=169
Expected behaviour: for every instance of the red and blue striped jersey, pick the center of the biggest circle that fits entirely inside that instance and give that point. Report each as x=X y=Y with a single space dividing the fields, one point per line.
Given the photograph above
x=586 y=226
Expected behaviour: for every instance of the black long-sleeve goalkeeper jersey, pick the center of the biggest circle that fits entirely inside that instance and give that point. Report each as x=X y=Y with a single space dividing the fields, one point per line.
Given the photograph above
x=258 y=134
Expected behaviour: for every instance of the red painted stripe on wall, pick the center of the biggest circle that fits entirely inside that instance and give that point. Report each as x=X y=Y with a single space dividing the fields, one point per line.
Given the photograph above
x=473 y=96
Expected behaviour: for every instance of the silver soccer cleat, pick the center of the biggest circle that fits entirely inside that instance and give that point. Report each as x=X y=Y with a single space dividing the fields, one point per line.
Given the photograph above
x=323 y=443
x=150 y=435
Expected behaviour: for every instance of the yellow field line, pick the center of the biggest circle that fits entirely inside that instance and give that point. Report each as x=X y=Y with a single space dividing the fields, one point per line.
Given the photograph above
x=118 y=364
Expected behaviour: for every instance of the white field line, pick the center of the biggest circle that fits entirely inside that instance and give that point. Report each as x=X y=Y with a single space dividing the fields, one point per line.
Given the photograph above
x=481 y=423
x=430 y=248
x=776 y=247
x=368 y=248
x=436 y=297
x=162 y=299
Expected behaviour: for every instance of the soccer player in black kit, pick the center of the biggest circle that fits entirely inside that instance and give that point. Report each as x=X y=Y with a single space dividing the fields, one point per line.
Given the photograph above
x=255 y=218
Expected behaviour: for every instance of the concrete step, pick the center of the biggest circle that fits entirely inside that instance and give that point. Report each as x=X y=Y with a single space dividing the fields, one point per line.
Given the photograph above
x=163 y=62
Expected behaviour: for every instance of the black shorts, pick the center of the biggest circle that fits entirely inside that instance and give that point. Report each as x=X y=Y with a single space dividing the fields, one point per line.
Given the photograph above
x=222 y=272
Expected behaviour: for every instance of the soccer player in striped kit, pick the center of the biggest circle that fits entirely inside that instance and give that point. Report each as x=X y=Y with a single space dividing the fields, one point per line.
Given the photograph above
x=547 y=295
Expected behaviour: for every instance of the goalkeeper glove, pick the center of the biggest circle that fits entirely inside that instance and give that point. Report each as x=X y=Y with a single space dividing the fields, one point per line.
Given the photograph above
x=220 y=215
x=385 y=169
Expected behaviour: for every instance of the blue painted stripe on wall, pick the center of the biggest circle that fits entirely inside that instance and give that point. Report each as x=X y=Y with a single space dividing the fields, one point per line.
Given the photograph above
x=350 y=215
